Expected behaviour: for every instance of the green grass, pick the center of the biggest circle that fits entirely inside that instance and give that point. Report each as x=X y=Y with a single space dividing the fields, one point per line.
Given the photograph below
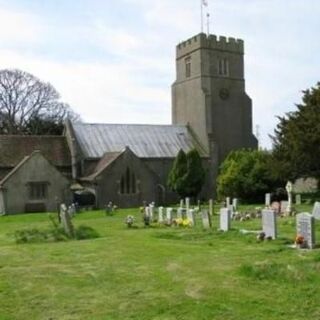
x=156 y=273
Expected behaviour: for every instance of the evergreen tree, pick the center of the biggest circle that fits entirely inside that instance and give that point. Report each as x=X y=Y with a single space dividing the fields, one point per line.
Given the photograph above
x=187 y=174
x=296 y=141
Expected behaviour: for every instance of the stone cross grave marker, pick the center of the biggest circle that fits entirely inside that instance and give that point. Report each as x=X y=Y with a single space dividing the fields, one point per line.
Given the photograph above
x=225 y=218
x=305 y=228
x=169 y=215
x=206 y=222
x=298 y=199
x=267 y=199
x=66 y=220
x=289 y=188
x=316 y=210
x=211 y=207
x=160 y=214
x=269 y=223
x=190 y=216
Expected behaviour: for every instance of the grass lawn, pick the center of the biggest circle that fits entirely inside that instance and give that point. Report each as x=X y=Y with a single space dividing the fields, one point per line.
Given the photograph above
x=156 y=273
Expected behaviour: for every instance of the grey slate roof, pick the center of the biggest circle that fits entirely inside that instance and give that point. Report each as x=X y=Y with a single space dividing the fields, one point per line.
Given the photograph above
x=146 y=141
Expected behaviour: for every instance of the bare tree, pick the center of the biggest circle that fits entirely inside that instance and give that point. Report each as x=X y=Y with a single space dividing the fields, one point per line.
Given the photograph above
x=30 y=106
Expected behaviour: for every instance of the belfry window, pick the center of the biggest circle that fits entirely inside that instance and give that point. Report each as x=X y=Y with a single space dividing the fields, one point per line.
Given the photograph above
x=188 y=67
x=128 y=182
x=223 y=67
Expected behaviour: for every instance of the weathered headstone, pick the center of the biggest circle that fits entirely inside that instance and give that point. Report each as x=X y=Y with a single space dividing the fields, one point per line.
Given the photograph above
x=269 y=223
x=190 y=216
x=160 y=214
x=206 y=221
x=169 y=215
x=235 y=204
x=305 y=228
x=276 y=206
x=66 y=221
x=181 y=203
x=228 y=202
x=267 y=199
x=284 y=206
x=211 y=207
x=298 y=199
x=225 y=219
x=316 y=210
x=180 y=213
x=187 y=204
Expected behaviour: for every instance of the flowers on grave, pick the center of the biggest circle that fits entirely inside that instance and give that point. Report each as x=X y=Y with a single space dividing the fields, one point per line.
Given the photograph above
x=180 y=222
x=299 y=241
x=130 y=221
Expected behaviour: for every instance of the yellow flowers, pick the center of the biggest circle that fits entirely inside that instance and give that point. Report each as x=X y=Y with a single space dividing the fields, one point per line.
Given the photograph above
x=182 y=222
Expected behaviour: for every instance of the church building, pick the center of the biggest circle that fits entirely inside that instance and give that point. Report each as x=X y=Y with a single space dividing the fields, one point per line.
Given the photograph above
x=126 y=163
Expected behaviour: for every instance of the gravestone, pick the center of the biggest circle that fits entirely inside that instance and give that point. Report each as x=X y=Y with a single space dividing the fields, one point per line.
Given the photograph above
x=228 y=202
x=211 y=207
x=269 y=223
x=225 y=219
x=181 y=203
x=316 y=210
x=284 y=206
x=72 y=210
x=206 y=222
x=305 y=228
x=267 y=199
x=276 y=206
x=180 y=213
x=190 y=216
x=298 y=199
x=289 y=187
x=187 y=204
x=151 y=212
x=160 y=214
x=66 y=221
x=169 y=215
x=235 y=204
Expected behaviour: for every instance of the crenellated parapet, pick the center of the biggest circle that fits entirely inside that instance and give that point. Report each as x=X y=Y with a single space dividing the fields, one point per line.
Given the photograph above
x=210 y=42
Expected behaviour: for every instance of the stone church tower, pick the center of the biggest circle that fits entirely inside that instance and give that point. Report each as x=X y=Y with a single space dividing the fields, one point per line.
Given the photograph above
x=209 y=94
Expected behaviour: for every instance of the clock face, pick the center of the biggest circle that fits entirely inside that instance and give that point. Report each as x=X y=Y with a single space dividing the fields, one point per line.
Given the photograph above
x=224 y=94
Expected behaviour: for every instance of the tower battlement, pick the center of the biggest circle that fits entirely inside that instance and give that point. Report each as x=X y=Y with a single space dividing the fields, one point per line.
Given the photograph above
x=210 y=42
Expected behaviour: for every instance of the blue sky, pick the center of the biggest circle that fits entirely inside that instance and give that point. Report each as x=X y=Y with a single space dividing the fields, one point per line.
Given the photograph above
x=113 y=61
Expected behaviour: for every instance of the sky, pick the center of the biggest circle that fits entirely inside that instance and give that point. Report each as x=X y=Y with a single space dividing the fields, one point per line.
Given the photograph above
x=114 y=61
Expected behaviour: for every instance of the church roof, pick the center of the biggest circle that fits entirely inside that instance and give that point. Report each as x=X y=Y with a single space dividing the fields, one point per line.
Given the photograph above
x=13 y=148
x=146 y=141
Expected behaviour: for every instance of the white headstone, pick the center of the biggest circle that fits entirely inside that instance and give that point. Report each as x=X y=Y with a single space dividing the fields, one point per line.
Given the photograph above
x=267 y=199
x=289 y=187
x=169 y=215
x=160 y=213
x=151 y=211
x=190 y=216
x=228 y=202
x=298 y=199
x=235 y=204
x=147 y=211
x=211 y=207
x=284 y=206
x=187 y=203
x=269 y=223
x=316 y=210
x=305 y=228
x=180 y=213
x=206 y=222
x=225 y=218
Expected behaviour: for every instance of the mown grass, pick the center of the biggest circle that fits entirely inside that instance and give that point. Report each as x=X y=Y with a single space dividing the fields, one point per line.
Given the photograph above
x=156 y=273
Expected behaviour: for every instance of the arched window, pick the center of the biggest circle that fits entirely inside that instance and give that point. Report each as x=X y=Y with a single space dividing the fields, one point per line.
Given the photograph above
x=223 y=67
x=128 y=182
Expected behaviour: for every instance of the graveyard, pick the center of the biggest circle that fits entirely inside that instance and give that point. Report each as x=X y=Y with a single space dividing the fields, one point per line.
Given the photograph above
x=161 y=271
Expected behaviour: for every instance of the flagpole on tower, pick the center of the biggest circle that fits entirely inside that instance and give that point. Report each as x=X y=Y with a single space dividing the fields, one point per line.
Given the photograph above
x=203 y=3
